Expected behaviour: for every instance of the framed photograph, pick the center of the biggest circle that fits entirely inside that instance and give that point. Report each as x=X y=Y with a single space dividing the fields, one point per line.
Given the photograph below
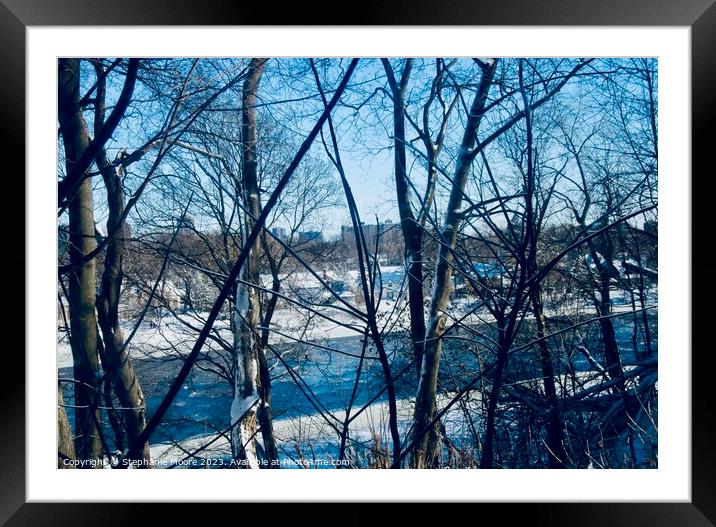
x=427 y=243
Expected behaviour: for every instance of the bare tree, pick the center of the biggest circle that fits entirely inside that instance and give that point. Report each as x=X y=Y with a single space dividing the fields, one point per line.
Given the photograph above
x=250 y=384
x=526 y=193
x=425 y=401
x=116 y=361
x=81 y=298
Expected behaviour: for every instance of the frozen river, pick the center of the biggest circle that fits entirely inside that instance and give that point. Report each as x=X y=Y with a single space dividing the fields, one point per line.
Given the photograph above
x=320 y=377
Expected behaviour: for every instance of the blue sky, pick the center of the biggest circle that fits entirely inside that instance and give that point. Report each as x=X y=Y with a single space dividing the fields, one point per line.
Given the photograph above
x=363 y=123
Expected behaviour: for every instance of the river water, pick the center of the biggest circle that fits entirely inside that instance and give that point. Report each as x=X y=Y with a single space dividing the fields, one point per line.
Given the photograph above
x=326 y=379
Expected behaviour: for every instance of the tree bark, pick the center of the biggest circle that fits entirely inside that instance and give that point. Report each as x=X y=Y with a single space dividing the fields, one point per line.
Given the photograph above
x=83 y=322
x=487 y=456
x=251 y=376
x=65 y=444
x=427 y=441
x=555 y=435
x=116 y=361
x=412 y=231
x=265 y=417
x=612 y=356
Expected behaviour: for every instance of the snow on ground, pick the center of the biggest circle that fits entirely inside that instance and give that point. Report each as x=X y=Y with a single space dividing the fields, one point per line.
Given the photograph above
x=165 y=336
x=309 y=431
x=173 y=336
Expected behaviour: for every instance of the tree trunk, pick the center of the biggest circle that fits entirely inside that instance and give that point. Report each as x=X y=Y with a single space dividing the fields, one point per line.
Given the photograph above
x=265 y=417
x=604 y=307
x=116 y=361
x=65 y=444
x=487 y=457
x=555 y=435
x=251 y=384
x=83 y=322
x=412 y=231
x=555 y=439
x=506 y=334
x=427 y=440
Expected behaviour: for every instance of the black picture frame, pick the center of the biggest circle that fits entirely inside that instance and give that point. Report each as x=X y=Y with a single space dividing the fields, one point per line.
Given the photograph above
x=699 y=15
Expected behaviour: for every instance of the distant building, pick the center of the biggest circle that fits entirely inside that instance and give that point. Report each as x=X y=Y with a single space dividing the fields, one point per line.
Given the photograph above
x=279 y=232
x=488 y=273
x=388 y=231
x=310 y=236
x=488 y=270
x=392 y=282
